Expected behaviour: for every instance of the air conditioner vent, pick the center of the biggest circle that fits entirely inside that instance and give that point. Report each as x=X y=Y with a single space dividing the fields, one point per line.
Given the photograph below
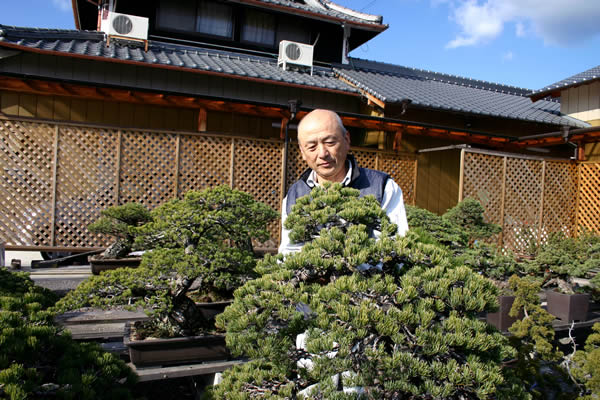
x=122 y=24
x=297 y=54
x=292 y=51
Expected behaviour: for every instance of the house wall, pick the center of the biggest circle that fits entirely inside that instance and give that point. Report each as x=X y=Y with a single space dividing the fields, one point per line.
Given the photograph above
x=97 y=112
x=582 y=102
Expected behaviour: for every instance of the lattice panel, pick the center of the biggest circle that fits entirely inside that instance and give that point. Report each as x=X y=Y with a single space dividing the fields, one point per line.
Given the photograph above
x=258 y=171
x=365 y=159
x=295 y=164
x=483 y=181
x=588 y=215
x=86 y=172
x=522 y=203
x=148 y=168
x=402 y=169
x=26 y=172
x=204 y=162
x=560 y=189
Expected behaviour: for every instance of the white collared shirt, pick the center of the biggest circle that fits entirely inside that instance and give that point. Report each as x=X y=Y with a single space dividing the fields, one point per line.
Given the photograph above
x=392 y=203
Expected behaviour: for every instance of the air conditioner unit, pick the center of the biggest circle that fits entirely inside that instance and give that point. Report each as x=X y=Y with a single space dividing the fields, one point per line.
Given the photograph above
x=125 y=26
x=294 y=53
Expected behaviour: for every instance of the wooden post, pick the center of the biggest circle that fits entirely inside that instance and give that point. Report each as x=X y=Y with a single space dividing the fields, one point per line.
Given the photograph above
x=461 y=177
x=397 y=140
x=580 y=152
x=414 y=199
x=232 y=164
x=284 y=122
x=202 y=119
x=177 y=158
x=54 y=184
x=502 y=195
x=540 y=218
x=118 y=174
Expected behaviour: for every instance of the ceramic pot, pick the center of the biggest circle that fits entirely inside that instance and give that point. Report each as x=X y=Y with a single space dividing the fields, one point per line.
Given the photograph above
x=172 y=351
x=104 y=264
x=568 y=307
x=501 y=319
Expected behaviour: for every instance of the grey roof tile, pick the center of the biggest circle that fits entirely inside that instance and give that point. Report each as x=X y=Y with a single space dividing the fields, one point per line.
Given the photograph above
x=72 y=42
x=590 y=75
x=392 y=83
x=325 y=9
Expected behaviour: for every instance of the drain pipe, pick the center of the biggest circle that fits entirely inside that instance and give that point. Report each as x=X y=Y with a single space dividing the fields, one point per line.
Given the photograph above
x=566 y=135
x=294 y=105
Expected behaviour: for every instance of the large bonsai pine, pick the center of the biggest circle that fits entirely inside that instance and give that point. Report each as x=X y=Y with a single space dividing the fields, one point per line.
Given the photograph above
x=354 y=316
x=202 y=242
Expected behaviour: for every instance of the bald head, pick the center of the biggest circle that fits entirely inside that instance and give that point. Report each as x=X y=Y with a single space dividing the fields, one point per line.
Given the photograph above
x=324 y=144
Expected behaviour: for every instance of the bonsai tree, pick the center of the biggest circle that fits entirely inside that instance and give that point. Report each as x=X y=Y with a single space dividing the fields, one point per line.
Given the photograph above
x=468 y=216
x=121 y=223
x=350 y=315
x=586 y=365
x=40 y=360
x=202 y=242
x=563 y=258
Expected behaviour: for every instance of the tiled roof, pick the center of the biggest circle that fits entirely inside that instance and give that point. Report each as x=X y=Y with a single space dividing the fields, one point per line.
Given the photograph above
x=92 y=44
x=327 y=8
x=590 y=75
x=392 y=84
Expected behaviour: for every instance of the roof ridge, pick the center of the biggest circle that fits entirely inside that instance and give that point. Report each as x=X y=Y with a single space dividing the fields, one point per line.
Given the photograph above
x=575 y=79
x=452 y=79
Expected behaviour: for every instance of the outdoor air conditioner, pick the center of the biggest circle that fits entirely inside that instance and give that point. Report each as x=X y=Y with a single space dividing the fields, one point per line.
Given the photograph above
x=295 y=54
x=126 y=26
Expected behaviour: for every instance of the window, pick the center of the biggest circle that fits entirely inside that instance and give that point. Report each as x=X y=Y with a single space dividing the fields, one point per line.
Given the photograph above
x=215 y=19
x=177 y=14
x=259 y=28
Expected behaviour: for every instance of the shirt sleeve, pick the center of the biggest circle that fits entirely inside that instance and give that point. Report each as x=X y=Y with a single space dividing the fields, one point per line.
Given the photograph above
x=285 y=247
x=393 y=204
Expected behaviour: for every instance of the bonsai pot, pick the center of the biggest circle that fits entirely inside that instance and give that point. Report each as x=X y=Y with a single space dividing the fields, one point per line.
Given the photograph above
x=501 y=319
x=568 y=307
x=179 y=350
x=211 y=310
x=103 y=264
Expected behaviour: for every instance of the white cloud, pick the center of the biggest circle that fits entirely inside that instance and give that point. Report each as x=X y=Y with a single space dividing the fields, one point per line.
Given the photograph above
x=557 y=22
x=63 y=5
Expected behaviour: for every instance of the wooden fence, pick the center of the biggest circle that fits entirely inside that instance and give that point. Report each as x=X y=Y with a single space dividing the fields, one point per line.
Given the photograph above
x=531 y=197
x=55 y=178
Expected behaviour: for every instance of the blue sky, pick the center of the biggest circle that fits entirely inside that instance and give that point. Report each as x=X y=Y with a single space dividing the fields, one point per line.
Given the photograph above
x=525 y=43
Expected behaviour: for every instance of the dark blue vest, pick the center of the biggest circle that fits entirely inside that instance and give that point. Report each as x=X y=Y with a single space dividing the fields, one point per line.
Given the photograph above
x=368 y=181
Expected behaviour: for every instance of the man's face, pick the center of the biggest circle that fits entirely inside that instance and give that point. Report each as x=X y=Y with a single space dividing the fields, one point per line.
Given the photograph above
x=324 y=145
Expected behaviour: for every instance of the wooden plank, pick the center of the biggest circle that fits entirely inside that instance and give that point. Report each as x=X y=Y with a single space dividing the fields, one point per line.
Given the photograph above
x=461 y=174
x=97 y=331
x=99 y=316
x=157 y=373
x=54 y=186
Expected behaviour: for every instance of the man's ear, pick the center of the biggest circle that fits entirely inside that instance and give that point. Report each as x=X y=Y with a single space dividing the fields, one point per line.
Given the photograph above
x=348 y=137
x=302 y=151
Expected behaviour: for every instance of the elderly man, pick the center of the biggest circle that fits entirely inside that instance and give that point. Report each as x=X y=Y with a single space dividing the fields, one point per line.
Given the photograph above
x=324 y=145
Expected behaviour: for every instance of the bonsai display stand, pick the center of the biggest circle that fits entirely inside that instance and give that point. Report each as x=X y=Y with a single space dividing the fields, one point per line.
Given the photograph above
x=146 y=374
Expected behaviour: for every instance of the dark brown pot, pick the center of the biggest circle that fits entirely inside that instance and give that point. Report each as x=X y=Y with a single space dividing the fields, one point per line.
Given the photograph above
x=501 y=319
x=170 y=351
x=568 y=307
x=105 y=264
x=211 y=310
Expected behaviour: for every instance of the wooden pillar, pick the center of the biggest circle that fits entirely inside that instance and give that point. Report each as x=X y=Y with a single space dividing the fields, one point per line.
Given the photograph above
x=580 y=152
x=397 y=140
x=284 y=122
x=202 y=119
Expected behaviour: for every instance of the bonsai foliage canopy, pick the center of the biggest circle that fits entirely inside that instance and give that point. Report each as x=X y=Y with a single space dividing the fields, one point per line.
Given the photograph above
x=202 y=243
x=120 y=222
x=361 y=311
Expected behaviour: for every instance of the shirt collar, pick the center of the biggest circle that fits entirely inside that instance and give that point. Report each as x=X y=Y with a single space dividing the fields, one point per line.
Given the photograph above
x=312 y=177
